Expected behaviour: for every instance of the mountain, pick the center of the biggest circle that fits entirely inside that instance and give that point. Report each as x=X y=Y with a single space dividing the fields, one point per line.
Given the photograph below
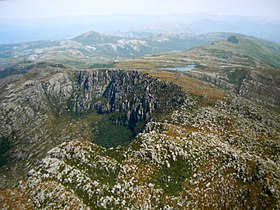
x=93 y=38
x=138 y=136
x=91 y=48
x=256 y=50
x=256 y=28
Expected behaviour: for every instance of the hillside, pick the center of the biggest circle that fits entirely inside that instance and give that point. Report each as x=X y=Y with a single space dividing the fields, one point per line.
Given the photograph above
x=137 y=136
x=200 y=148
x=250 y=67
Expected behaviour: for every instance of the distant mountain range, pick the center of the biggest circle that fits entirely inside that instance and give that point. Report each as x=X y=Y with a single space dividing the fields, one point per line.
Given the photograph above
x=22 y=30
x=92 y=47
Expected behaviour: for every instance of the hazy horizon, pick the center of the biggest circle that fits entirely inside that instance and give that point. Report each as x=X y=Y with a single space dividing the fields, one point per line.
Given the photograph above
x=30 y=20
x=24 y=9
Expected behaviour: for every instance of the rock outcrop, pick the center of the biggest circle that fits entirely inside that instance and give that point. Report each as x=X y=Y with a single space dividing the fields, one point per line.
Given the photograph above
x=134 y=95
x=199 y=157
x=37 y=114
x=233 y=39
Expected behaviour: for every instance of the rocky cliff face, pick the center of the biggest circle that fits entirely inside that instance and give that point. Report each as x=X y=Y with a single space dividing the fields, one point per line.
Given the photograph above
x=259 y=87
x=37 y=114
x=133 y=95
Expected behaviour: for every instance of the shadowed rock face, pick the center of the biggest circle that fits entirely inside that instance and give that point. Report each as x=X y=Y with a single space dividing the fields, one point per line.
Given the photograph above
x=32 y=111
x=135 y=96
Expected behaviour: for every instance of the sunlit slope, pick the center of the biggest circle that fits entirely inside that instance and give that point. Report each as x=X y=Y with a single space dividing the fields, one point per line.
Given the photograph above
x=245 y=65
x=250 y=52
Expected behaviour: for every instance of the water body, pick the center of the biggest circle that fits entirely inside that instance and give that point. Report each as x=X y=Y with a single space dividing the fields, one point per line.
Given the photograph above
x=184 y=68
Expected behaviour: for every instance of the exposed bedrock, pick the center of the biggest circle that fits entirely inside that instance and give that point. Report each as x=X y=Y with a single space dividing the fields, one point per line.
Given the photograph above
x=33 y=110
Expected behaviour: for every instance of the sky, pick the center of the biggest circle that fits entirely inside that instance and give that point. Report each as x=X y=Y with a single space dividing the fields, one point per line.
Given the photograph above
x=52 y=8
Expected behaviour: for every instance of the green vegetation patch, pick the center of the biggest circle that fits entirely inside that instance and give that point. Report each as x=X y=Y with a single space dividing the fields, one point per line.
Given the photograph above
x=5 y=146
x=109 y=134
x=98 y=172
x=171 y=179
x=237 y=76
x=115 y=153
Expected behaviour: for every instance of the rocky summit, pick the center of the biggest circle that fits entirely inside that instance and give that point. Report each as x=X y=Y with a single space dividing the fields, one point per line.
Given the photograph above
x=135 y=136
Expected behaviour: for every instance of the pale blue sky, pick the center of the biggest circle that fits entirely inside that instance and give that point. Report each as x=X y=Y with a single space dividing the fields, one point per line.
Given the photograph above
x=52 y=8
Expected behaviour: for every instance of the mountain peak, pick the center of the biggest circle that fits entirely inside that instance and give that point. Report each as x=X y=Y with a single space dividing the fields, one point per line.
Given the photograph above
x=93 y=37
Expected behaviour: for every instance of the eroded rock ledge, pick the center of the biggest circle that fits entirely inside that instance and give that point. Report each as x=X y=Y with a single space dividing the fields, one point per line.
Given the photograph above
x=134 y=95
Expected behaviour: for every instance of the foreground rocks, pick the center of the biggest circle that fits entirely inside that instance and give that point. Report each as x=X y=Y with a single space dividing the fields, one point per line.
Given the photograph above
x=221 y=156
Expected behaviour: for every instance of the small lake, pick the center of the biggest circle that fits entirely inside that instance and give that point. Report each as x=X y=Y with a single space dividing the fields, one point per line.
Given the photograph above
x=184 y=68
